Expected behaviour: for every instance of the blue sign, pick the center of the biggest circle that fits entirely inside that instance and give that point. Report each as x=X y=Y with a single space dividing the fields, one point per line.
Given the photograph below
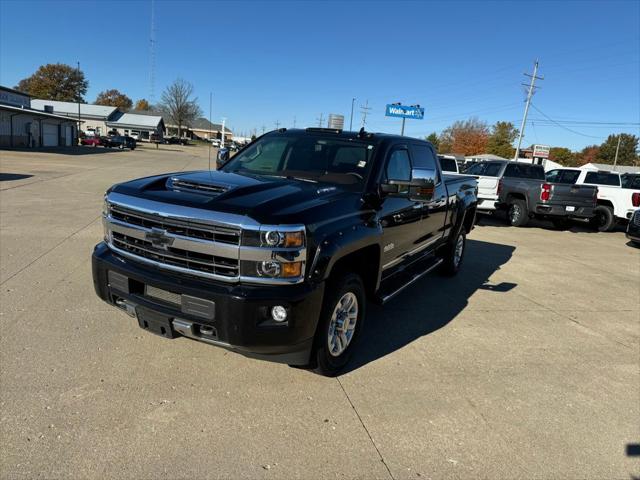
x=404 y=111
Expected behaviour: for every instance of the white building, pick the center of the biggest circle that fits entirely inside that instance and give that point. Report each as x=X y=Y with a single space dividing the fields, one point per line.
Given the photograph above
x=21 y=125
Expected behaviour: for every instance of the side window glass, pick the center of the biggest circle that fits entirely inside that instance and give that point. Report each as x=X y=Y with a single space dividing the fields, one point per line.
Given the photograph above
x=399 y=165
x=553 y=176
x=569 y=176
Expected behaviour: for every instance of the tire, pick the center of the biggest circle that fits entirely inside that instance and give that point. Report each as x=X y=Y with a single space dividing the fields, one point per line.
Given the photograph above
x=560 y=223
x=330 y=355
x=121 y=147
x=603 y=219
x=518 y=214
x=454 y=254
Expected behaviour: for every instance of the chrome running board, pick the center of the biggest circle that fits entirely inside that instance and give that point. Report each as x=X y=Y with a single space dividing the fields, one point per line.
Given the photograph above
x=385 y=298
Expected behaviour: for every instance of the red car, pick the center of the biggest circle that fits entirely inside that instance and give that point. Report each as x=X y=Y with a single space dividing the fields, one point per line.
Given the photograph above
x=92 y=141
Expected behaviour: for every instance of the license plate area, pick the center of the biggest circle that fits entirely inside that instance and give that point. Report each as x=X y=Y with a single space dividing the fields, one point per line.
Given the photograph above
x=155 y=322
x=569 y=208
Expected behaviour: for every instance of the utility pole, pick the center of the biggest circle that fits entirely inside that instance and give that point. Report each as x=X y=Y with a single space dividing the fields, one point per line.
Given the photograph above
x=364 y=110
x=353 y=100
x=294 y=121
x=526 y=108
x=320 y=120
x=277 y=124
x=224 y=119
x=78 y=93
x=263 y=128
x=615 y=161
x=402 y=129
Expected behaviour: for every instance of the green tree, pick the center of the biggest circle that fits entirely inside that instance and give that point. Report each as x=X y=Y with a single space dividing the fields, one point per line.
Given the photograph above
x=114 y=98
x=501 y=139
x=143 y=105
x=562 y=155
x=433 y=138
x=627 y=154
x=55 y=81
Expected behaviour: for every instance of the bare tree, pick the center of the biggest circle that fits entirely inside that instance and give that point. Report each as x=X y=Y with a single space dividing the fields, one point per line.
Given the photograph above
x=177 y=103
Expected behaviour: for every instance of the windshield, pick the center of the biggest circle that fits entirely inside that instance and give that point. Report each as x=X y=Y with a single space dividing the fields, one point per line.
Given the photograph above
x=346 y=162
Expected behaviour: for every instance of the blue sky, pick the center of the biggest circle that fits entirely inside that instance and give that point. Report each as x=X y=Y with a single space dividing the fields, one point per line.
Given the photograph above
x=268 y=61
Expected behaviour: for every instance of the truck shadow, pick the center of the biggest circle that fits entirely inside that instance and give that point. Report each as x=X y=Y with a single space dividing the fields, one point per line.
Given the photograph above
x=430 y=304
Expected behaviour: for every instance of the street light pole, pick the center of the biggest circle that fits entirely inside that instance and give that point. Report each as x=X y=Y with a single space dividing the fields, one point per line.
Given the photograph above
x=77 y=93
x=615 y=161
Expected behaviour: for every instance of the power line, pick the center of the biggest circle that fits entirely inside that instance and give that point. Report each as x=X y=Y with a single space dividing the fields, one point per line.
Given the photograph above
x=560 y=125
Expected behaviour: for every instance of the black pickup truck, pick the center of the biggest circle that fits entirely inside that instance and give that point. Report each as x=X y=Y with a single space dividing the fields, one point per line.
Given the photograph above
x=276 y=254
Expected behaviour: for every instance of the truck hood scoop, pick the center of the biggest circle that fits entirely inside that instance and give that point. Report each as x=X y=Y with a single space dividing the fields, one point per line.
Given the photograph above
x=190 y=185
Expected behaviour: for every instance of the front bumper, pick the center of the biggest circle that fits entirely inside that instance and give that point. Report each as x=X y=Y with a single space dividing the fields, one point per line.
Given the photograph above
x=239 y=318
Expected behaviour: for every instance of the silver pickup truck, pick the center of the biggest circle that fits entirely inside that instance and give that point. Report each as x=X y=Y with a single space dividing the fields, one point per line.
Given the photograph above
x=522 y=191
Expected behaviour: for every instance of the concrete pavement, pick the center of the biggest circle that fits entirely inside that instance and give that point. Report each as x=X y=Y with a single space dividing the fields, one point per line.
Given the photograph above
x=525 y=365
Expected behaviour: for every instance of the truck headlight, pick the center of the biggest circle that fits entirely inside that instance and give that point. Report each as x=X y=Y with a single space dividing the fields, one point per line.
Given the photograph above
x=274 y=238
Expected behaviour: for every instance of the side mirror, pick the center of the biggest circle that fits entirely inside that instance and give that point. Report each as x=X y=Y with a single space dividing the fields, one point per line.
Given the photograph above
x=420 y=187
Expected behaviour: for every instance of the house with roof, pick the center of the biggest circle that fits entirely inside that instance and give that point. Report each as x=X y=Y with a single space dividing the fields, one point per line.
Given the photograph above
x=101 y=119
x=22 y=125
x=201 y=128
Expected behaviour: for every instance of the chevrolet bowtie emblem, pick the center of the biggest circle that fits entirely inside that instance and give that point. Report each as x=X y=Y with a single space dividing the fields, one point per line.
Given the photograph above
x=159 y=238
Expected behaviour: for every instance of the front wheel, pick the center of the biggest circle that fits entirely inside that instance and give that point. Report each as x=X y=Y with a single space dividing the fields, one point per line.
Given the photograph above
x=341 y=322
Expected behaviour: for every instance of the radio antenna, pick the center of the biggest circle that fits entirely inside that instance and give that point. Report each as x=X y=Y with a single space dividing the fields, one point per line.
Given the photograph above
x=210 y=144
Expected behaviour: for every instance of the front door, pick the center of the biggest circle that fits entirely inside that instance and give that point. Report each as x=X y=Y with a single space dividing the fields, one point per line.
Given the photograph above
x=399 y=216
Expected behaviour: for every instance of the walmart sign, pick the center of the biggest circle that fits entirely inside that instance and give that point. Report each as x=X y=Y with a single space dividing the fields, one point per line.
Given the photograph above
x=404 y=111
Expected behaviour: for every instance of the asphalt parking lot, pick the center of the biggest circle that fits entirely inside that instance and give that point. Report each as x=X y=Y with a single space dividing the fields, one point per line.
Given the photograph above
x=526 y=365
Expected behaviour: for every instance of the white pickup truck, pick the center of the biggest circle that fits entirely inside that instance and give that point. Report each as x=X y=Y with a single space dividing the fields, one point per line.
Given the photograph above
x=618 y=196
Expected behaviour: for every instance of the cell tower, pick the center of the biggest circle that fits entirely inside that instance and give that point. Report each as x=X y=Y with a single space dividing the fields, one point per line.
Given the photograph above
x=152 y=55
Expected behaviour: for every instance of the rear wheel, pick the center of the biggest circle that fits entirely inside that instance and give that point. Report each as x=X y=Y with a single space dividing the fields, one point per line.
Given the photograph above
x=340 y=324
x=603 y=219
x=454 y=254
x=518 y=215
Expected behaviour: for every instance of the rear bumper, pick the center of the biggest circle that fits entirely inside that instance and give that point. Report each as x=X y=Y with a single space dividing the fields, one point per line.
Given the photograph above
x=561 y=211
x=237 y=316
x=486 y=203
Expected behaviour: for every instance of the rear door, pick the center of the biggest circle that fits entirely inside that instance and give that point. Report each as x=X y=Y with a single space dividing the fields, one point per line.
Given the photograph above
x=399 y=216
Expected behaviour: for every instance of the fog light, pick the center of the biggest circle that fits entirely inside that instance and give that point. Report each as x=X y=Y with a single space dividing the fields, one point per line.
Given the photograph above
x=269 y=268
x=293 y=269
x=279 y=313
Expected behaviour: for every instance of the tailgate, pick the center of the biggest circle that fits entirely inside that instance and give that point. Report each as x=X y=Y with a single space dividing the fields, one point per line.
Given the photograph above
x=574 y=195
x=488 y=187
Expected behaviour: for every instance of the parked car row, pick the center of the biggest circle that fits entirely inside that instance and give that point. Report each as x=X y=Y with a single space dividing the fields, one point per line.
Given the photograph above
x=112 y=141
x=524 y=191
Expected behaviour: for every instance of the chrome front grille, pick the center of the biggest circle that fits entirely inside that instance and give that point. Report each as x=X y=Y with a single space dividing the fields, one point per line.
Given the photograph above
x=188 y=229
x=195 y=241
x=178 y=257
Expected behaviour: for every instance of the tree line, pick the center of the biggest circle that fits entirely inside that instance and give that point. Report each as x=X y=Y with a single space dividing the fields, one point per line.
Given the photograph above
x=67 y=84
x=474 y=136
